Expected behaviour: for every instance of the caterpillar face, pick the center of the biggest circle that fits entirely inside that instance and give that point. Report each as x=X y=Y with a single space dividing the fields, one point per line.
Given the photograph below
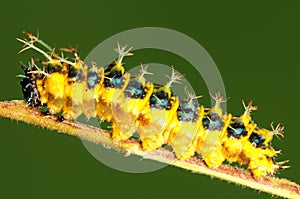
x=159 y=117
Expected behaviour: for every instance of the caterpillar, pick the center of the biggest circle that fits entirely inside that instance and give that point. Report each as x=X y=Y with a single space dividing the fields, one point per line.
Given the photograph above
x=135 y=106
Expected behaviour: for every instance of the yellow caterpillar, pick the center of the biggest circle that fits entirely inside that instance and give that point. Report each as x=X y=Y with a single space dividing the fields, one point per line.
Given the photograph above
x=135 y=106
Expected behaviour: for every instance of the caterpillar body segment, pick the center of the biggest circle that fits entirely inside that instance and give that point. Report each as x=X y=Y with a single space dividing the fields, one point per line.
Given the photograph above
x=185 y=128
x=159 y=117
x=127 y=108
x=53 y=86
x=258 y=153
x=156 y=116
x=74 y=91
x=214 y=124
x=237 y=134
x=115 y=81
x=94 y=77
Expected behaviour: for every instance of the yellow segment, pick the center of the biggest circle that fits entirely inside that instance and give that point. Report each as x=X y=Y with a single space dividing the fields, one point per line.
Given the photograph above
x=54 y=85
x=153 y=123
x=184 y=136
x=259 y=160
x=108 y=95
x=91 y=96
x=126 y=112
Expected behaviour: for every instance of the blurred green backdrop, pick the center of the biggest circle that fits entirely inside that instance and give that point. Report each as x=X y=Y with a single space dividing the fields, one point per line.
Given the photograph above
x=254 y=44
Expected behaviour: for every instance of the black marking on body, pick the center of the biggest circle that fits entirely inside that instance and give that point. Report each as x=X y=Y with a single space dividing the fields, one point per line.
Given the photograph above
x=135 y=89
x=109 y=67
x=213 y=122
x=77 y=74
x=92 y=79
x=237 y=130
x=54 y=68
x=114 y=79
x=187 y=112
x=257 y=140
x=160 y=100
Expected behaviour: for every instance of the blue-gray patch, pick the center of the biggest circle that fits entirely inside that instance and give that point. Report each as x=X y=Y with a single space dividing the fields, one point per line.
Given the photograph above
x=257 y=139
x=159 y=100
x=187 y=111
x=92 y=79
x=135 y=89
x=114 y=79
x=237 y=130
x=79 y=76
x=213 y=122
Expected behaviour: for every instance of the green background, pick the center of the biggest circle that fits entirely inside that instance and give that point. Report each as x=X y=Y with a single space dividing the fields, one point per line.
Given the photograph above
x=254 y=44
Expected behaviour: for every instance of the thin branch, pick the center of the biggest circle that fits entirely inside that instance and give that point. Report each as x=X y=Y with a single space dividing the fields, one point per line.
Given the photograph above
x=17 y=110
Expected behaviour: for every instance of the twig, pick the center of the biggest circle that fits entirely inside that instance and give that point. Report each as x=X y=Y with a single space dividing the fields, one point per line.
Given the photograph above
x=17 y=110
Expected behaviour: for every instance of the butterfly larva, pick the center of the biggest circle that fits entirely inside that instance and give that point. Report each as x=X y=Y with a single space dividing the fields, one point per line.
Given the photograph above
x=159 y=117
